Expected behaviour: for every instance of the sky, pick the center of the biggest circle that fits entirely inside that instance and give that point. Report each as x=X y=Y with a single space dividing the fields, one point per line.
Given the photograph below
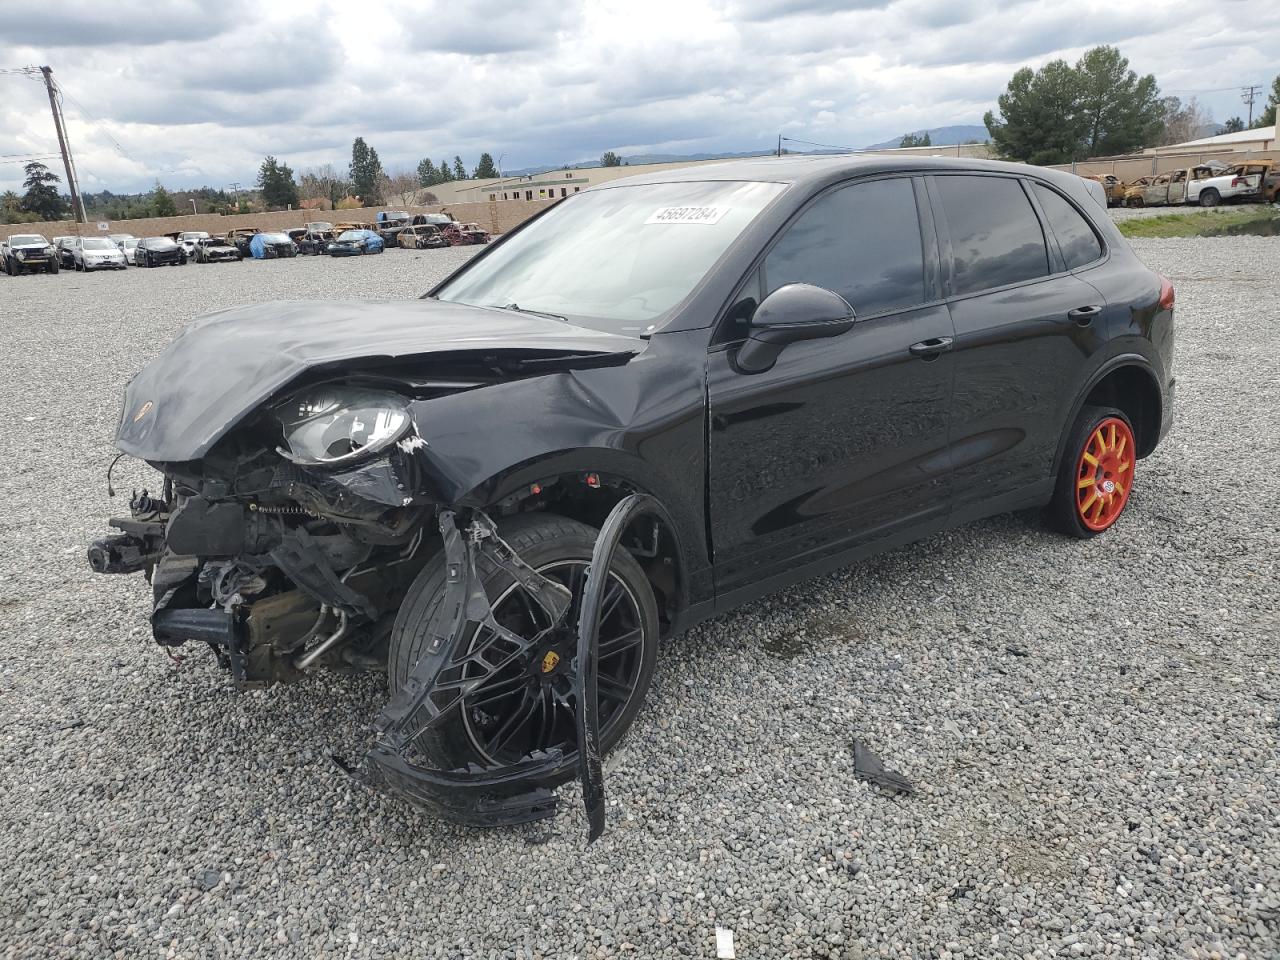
x=196 y=92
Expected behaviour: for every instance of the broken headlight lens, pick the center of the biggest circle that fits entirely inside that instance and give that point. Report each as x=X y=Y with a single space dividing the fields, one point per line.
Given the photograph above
x=333 y=426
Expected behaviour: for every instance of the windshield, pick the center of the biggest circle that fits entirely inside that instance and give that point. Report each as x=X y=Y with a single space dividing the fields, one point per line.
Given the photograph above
x=26 y=240
x=275 y=238
x=615 y=259
x=160 y=243
x=195 y=236
x=351 y=236
x=96 y=243
x=320 y=225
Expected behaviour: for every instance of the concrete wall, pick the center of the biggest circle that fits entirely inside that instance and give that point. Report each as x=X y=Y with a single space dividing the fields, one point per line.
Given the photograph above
x=494 y=217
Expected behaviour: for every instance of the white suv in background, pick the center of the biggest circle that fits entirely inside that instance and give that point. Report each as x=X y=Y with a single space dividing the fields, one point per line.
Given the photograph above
x=96 y=253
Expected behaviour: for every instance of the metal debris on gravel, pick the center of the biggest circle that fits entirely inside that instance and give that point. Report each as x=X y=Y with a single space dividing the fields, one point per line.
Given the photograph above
x=1115 y=792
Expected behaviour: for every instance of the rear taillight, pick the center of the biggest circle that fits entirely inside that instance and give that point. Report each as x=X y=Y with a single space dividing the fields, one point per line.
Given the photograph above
x=1166 y=294
x=1239 y=182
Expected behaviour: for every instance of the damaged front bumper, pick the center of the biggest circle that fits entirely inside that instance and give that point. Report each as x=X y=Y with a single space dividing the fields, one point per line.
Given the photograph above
x=168 y=544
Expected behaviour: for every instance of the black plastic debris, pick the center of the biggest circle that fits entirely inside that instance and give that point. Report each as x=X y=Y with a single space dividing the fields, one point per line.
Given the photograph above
x=867 y=766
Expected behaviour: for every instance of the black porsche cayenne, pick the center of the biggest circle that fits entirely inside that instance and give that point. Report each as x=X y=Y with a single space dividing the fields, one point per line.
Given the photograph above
x=746 y=374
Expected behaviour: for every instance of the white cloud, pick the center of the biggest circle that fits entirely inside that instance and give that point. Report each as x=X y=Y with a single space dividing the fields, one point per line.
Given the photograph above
x=197 y=93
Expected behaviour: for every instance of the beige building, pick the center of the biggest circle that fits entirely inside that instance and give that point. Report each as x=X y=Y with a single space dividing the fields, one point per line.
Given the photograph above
x=556 y=184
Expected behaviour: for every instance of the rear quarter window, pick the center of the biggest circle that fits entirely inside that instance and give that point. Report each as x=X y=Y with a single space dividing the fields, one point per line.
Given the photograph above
x=1079 y=244
x=996 y=237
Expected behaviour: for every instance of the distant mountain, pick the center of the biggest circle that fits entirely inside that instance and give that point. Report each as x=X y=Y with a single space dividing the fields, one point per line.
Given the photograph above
x=636 y=159
x=941 y=136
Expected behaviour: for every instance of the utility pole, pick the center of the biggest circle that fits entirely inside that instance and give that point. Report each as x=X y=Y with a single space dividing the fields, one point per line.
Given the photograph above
x=77 y=205
x=1248 y=95
x=779 y=144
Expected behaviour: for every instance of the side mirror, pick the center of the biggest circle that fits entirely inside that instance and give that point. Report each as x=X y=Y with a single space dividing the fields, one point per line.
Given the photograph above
x=797 y=311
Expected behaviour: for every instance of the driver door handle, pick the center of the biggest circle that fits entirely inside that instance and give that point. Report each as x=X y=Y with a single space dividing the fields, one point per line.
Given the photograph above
x=929 y=349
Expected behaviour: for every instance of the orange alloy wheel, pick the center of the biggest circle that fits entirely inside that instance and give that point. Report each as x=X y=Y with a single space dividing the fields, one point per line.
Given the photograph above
x=1104 y=474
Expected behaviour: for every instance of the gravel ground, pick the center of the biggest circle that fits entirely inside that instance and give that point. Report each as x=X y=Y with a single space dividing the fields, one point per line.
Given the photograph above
x=1092 y=726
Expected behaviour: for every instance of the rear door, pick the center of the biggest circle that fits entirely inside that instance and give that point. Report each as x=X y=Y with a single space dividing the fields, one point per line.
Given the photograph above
x=1178 y=186
x=1157 y=193
x=1024 y=329
x=843 y=441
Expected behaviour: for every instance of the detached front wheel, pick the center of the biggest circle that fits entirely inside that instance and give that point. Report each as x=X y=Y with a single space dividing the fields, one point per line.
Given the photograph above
x=529 y=703
x=1096 y=476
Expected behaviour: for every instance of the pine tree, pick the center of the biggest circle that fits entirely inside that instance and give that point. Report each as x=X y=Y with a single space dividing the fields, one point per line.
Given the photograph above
x=366 y=172
x=275 y=180
x=459 y=171
x=427 y=174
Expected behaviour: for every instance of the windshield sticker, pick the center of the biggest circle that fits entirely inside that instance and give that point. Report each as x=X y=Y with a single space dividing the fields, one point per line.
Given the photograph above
x=687 y=215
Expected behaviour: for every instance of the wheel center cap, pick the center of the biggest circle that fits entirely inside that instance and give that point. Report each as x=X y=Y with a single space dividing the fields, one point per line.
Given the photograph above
x=1108 y=486
x=550 y=660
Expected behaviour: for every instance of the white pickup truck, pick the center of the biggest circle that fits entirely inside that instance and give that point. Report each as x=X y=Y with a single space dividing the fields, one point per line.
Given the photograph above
x=1240 y=182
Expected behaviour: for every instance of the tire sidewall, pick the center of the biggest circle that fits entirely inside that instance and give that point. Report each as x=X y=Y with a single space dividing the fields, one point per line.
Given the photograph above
x=539 y=539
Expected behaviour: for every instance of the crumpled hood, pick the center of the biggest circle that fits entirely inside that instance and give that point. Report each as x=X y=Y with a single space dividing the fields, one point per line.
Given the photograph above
x=224 y=365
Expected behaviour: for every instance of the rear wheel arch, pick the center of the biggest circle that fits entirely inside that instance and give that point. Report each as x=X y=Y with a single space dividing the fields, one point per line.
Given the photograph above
x=1129 y=384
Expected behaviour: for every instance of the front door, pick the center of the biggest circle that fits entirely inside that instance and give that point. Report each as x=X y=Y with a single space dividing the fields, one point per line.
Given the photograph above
x=844 y=440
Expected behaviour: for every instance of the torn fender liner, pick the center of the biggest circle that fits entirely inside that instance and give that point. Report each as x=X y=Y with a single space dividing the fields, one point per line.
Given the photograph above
x=590 y=768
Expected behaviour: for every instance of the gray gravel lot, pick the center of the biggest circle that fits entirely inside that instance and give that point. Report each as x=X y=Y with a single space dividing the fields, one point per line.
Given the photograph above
x=1092 y=726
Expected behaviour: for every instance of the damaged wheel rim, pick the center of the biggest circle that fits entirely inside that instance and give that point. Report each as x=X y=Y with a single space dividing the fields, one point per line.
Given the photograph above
x=529 y=705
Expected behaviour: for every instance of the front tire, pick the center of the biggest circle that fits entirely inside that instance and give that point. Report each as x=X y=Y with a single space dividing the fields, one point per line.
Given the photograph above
x=1096 y=476
x=530 y=704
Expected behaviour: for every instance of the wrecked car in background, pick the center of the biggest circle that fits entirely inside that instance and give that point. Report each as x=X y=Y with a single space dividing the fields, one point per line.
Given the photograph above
x=651 y=403
x=241 y=238
x=309 y=241
x=271 y=246
x=159 y=252
x=216 y=250
x=423 y=236
x=29 y=253
x=1112 y=185
x=355 y=243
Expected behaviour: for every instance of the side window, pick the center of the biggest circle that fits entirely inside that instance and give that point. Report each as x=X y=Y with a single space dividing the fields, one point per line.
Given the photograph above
x=995 y=234
x=1079 y=243
x=861 y=241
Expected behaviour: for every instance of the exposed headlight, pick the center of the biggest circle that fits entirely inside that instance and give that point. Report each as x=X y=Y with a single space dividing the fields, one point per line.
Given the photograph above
x=334 y=426
x=20 y=254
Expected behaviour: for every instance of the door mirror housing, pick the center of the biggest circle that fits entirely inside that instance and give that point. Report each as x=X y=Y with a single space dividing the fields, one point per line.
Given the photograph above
x=796 y=311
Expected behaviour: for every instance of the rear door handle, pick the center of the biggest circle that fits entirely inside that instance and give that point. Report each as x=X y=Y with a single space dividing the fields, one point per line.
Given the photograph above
x=1084 y=315
x=929 y=349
